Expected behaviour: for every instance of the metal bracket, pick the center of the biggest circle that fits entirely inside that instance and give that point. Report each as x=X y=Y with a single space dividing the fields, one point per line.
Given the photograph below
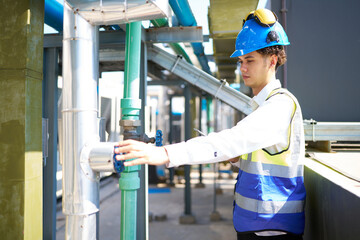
x=223 y=82
x=176 y=63
x=45 y=139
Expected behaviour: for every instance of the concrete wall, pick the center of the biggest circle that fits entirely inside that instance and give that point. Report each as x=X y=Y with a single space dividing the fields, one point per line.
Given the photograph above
x=332 y=206
x=323 y=57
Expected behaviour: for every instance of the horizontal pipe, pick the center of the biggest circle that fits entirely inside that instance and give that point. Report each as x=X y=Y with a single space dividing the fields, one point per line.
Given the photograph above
x=163 y=22
x=54 y=14
x=183 y=12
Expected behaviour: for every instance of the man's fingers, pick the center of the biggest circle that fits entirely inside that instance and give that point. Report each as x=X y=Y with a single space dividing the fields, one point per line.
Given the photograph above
x=134 y=162
x=125 y=149
x=129 y=155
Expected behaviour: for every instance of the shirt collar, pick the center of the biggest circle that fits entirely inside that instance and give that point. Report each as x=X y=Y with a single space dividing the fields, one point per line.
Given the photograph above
x=259 y=99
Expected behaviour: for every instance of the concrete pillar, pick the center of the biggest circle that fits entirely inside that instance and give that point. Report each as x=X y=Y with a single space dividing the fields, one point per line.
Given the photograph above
x=21 y=63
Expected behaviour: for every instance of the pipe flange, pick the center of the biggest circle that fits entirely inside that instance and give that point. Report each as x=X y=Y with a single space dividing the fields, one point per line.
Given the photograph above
x=130 y=123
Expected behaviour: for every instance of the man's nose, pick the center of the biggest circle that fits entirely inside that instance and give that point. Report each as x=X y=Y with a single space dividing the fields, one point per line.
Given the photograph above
x=243 y=68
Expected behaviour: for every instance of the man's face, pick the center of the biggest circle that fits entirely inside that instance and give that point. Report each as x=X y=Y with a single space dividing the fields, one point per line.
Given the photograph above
x=254 y=68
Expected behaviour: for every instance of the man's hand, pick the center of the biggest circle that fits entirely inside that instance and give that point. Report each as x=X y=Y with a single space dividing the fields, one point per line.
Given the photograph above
x=142 y=153
x=234 y=160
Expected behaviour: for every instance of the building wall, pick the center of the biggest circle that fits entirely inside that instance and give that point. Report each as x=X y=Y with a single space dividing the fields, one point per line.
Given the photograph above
x=323 y=57
x=332 y=209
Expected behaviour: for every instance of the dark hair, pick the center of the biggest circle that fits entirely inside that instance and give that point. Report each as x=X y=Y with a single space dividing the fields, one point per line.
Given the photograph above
x=278 y=50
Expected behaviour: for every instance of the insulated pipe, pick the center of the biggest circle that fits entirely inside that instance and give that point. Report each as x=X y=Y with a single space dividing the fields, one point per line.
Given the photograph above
x=186 y=18
x=54 y=12
x=129 y=181
x=79 y=119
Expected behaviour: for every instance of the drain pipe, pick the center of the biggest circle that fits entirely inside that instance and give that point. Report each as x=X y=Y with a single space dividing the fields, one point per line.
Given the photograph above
x=129 y=181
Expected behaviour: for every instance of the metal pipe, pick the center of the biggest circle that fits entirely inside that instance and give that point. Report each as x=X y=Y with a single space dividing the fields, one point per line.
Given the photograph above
x=200 y=128
x=101 y=157
x=79 y=119
x=284 y=22
x=185 y=16
x=129 y=181
x=163 y=22
x=187 y=169
x=54 y=12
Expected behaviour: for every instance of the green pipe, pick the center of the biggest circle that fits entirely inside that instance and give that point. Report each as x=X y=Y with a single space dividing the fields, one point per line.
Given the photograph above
x=210 y=114
x=129 y=181
x=162 y=22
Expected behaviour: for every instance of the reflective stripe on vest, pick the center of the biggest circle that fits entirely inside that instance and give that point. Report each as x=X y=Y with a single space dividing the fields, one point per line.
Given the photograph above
x=269 y=207
x=268 y=169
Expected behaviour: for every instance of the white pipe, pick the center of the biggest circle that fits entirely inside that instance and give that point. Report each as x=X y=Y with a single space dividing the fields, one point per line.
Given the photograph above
x=79 y=117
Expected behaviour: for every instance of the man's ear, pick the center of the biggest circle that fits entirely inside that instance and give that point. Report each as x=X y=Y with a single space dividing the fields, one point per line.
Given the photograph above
x=273 y=60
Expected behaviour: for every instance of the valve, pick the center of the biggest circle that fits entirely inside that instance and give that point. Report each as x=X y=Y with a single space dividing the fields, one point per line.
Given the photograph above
x=118 y=165
x=159 y=138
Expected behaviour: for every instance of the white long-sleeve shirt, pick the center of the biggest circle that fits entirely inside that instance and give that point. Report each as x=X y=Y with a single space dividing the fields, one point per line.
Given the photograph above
x=266 y=127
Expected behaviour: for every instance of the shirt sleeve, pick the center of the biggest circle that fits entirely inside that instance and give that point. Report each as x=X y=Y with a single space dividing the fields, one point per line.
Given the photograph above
x=265 y=127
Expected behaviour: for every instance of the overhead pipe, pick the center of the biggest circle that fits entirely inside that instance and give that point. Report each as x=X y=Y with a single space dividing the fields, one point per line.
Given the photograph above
x=186 y=18
x=54 y=14
x=163 y=22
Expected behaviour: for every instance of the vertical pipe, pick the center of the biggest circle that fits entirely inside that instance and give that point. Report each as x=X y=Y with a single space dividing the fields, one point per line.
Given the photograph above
x=200 y=118
x=79 y=120
x=284 y=22
x=210 y=114
x=216 y=108
x=142 y=207
x=50 y=111
x=171 y=170
x=187 y=137
x=129 y=182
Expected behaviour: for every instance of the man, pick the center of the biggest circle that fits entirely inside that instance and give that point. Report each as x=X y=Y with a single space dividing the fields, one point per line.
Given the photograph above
x=267 y=145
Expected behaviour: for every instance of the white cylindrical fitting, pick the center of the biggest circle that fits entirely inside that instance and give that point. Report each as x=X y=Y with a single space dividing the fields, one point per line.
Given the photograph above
x=101 y=157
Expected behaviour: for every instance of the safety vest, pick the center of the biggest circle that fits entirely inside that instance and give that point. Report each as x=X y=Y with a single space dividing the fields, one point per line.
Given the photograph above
x=270 y=192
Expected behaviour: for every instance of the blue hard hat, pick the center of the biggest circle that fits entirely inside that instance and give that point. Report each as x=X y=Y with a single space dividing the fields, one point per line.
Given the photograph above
x=253 y=37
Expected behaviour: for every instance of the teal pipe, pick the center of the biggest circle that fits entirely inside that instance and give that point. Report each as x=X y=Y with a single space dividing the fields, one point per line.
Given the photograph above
x=129 y=181
x=185 y=16
x=210 y=114
x=162 y=22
